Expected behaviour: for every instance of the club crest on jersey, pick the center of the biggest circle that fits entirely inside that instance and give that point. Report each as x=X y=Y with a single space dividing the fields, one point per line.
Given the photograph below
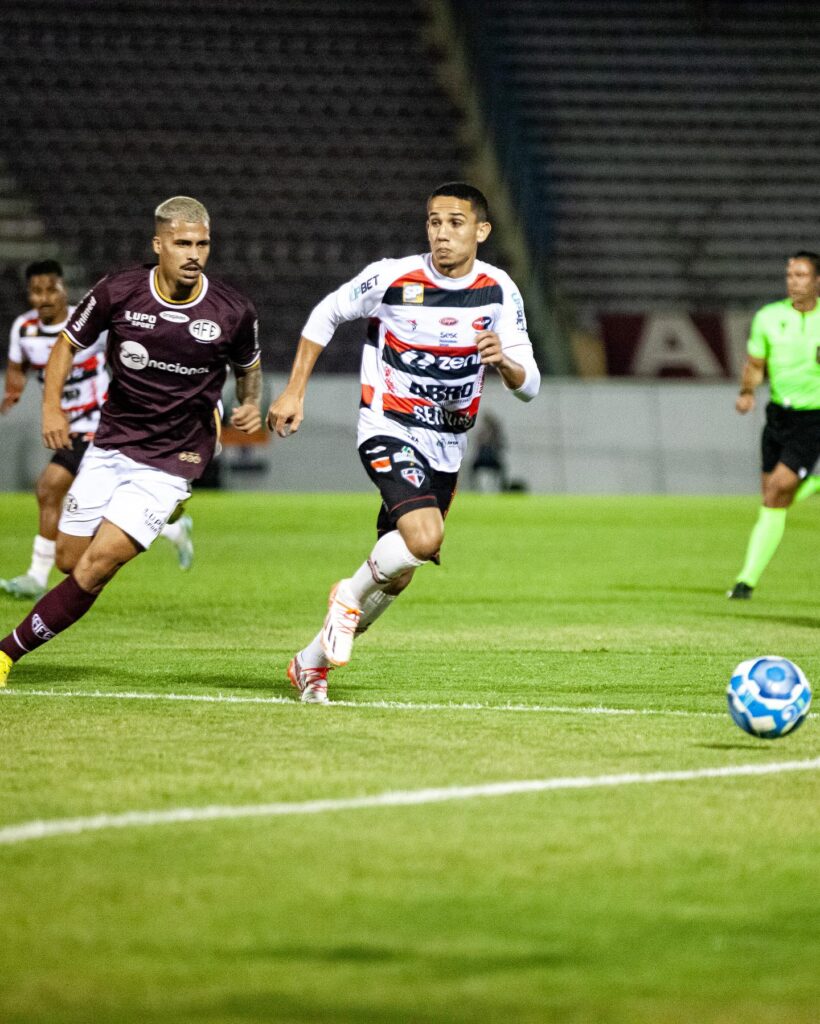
x=413 y=475
x=205 y=331
x=412 y=294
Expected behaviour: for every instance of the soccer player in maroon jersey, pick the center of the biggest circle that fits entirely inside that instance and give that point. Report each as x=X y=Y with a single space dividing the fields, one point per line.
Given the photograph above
x=172 y=332
x=437 y=321
x=31 y=339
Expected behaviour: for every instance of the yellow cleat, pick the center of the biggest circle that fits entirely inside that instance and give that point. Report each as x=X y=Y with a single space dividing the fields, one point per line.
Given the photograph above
x=5 y=667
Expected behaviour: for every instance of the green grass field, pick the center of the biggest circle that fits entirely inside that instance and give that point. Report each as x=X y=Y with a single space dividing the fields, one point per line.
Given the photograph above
x=668 y=902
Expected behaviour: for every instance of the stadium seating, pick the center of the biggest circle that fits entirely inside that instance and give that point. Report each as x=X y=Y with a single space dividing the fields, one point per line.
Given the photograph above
x=311 y=130
x=678 y=141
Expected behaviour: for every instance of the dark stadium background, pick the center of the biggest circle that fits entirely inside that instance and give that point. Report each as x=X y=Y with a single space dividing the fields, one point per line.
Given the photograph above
x=641 y=155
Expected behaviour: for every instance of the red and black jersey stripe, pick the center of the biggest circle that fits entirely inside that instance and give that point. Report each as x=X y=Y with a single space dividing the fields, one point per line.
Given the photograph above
x=442 y=362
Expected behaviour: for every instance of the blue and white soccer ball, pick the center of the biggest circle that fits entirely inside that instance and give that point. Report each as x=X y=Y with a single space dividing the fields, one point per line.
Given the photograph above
x=768 y=696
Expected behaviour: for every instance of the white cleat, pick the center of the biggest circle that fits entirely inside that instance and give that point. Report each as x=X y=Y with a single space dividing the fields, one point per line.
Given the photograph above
x=310 y=682
x=185 y=543
x=340 y=626
x=26 y=587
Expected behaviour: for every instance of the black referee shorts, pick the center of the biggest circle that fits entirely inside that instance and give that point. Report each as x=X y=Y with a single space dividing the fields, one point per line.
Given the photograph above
x=791 y=436
x=405 y=480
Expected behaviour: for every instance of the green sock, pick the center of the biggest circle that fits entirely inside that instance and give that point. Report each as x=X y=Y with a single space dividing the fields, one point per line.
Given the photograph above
x=809 y=486
x=766 y=535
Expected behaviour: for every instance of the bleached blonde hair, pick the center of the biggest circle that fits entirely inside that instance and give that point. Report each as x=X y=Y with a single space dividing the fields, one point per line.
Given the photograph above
x=181 y=208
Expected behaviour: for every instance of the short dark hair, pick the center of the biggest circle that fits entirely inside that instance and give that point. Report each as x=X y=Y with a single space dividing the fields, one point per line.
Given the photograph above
x=43 y=267
x=469 y=193
x=812 y=257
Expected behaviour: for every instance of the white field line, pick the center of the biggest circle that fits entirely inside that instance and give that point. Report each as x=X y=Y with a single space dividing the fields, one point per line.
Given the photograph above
x=383 y=705
x=30 y=830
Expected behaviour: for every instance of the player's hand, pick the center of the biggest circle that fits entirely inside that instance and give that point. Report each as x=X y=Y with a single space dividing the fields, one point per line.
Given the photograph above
x=285 y=414
x=246 y=418
x=10 y=399
x=55 y=429
x=744 y=404
x=489 y=348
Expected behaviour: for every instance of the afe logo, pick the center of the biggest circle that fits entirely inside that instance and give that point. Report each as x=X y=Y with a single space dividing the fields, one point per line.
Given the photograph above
x=205 y=331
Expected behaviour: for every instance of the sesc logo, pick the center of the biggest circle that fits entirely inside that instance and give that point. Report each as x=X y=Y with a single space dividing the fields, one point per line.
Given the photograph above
x=133 y=355
x=174 y=317
x=205 y=331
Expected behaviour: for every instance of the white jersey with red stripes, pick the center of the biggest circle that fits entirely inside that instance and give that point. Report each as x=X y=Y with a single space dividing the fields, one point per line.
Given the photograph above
x=86 y=387
x=421 y=373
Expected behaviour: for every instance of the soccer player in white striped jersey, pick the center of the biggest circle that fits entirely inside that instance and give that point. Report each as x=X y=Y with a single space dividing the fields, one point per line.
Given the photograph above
x=437 y=322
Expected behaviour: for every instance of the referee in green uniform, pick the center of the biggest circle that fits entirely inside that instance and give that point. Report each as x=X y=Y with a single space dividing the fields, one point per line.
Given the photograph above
x=785 y=340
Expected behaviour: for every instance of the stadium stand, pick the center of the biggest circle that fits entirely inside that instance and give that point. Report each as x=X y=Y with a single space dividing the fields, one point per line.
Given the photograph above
x=310 y=131
x=678 y=142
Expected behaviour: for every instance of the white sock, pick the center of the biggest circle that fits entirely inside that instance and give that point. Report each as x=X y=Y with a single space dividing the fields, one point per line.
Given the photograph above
x=373 y=606
x=42 y=559
x=171 y=532
x=389 y=558
x=313 y=656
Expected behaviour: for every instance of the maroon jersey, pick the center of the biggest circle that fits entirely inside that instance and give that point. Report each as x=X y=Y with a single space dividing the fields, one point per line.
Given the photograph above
x=168 y=361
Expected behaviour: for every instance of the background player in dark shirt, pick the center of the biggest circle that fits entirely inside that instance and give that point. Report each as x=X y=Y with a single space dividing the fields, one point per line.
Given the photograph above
x=171 y=335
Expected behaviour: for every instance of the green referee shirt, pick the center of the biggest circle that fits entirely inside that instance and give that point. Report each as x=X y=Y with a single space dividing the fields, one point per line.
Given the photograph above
x=789 y=341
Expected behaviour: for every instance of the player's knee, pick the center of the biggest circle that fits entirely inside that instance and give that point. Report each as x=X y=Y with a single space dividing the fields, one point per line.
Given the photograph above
x=47 y=496
x=65 y=557
x=424 y=542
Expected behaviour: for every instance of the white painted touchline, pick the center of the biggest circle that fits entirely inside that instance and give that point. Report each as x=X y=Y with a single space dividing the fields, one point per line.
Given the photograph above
x=30 y=830
x=384 y=705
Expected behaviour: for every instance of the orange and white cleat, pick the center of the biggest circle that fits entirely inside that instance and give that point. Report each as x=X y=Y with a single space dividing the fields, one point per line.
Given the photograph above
x=310 y=682
x=340 y=626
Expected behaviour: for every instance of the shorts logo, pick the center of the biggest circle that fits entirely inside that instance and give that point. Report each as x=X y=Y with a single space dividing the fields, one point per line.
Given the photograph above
x=448 y=321
x=193 y=457
x=174 y=317
x=413 y=476
x=412 y=294
x=405 y=455
x=71 y=504
x=376 y=450
x=133 y=355
x=482 y=323
x=40 y=628
x=381 y=465
x=153 y=521
x=205 y=331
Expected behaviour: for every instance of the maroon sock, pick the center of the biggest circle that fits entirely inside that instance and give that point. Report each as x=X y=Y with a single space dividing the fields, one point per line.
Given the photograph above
x=54 y=612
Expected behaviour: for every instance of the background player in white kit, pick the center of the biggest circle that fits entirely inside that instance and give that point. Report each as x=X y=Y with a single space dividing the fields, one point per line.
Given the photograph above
x=31 y=340
x=436 y=322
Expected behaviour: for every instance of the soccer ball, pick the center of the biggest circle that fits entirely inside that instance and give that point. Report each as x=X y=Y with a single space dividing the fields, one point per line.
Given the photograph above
x=768 y=696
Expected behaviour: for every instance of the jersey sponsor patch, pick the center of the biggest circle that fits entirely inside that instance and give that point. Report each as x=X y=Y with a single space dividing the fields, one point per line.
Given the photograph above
x=381 y=465
x=134 y=355
x=173 y=316
x=482 y=323
x=412 y=294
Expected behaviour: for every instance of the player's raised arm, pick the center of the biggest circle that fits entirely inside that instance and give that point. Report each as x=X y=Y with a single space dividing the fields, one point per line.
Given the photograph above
x=55 y=422
x=288 y=410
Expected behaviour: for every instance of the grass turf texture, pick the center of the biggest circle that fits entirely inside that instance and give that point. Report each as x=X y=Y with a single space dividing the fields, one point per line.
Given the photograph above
x=668 y=903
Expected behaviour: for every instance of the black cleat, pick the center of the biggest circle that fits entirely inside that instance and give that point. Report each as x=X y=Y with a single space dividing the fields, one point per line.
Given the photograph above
x=740 y=592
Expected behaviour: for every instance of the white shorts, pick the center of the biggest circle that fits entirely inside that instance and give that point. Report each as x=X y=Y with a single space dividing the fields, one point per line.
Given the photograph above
x=137 y=498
